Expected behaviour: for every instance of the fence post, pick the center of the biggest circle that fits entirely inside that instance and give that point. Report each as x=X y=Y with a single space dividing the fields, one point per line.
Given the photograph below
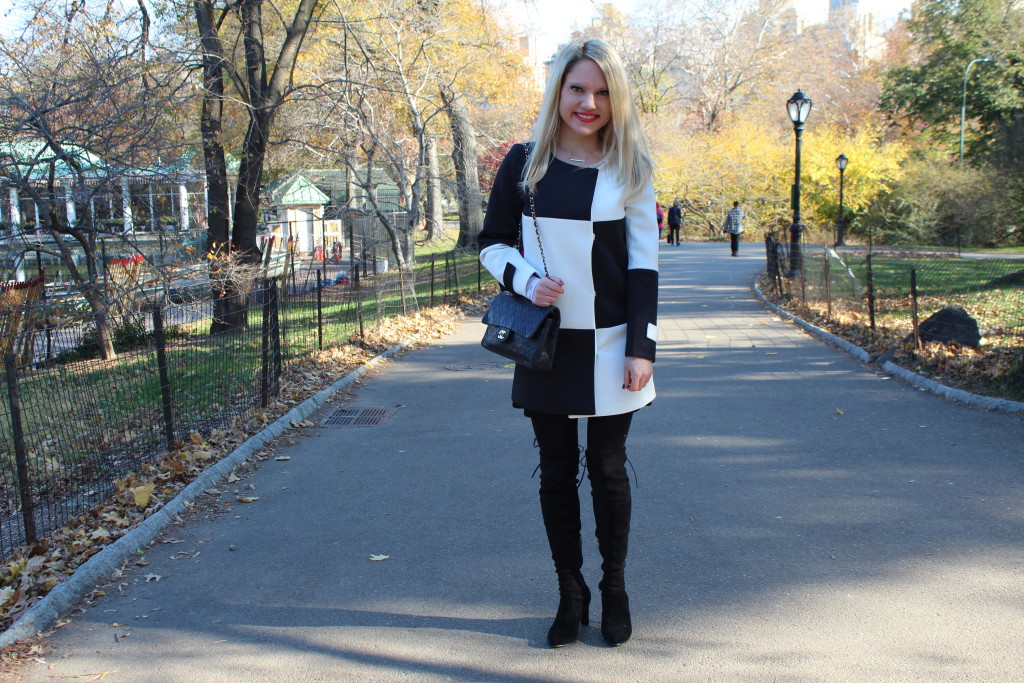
x=828 y=287
x=278 y=332
x=455 y=272
x=319 y=311
x=20 y=450
x=913 y=307
x=265 y=346
x=479 y=267
x=447 y=276
x=359 y=314
x=871 y=295
x=433 y=258
x=165 y=382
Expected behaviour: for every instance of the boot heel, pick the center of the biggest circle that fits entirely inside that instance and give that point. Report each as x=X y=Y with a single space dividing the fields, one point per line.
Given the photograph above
x=585 y=605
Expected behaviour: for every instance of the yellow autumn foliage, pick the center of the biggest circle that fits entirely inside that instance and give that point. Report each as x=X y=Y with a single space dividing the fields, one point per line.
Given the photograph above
x=751 y=159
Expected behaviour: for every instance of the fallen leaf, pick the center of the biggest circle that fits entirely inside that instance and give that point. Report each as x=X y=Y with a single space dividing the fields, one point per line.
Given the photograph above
x=142 y=494
x=248 y=499
x=283 y=457
x=840 y=411
x=153 y=577
x=379 y=558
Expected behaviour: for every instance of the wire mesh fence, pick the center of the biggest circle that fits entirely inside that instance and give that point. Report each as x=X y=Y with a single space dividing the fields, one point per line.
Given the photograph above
x=883 y=300
x=73 y=422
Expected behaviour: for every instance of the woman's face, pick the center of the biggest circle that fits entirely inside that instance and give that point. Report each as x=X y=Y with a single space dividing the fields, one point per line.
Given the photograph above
x=584 y=106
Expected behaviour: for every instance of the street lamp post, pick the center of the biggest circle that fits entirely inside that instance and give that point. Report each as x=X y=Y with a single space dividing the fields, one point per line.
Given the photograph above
x=963 y=101
x=799 y=108
x=841 y=162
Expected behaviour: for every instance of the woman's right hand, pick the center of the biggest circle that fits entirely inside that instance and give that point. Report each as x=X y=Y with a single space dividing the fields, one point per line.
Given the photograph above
x=548 y=290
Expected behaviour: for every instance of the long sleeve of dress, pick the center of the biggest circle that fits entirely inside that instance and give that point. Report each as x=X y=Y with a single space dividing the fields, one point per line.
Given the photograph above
x=642 y=275
x=505 y=214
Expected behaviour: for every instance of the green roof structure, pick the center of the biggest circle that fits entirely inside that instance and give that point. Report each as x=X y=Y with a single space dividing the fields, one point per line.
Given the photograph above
x=296 y=191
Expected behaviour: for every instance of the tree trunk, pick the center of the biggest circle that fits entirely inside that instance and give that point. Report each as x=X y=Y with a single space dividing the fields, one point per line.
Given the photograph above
x=435 y=206
x=263 y=95
x=471 y=218
x=89 y=287
x=226 y=315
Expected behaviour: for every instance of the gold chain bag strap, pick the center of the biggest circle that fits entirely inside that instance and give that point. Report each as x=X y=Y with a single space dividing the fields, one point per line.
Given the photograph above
x=517 y=328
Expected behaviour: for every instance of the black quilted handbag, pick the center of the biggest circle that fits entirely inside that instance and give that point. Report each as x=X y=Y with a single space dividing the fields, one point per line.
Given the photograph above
x=519 y=329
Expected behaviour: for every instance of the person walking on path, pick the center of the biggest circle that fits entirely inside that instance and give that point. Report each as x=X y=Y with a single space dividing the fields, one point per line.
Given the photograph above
x=586 y=180
x=675 y=221
x=661 y=218
x=734 y=227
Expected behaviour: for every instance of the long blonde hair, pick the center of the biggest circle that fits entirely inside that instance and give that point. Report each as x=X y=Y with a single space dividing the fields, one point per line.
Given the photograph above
x=622 y=140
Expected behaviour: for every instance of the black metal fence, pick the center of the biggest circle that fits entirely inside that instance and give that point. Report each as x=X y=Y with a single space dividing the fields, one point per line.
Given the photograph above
x=71 y=423
x=883 y=297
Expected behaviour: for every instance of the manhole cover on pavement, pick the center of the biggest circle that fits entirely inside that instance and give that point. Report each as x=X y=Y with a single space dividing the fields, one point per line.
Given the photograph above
x=357 y=417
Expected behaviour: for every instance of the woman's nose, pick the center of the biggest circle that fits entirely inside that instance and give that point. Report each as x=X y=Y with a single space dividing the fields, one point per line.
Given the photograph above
x=588 y=100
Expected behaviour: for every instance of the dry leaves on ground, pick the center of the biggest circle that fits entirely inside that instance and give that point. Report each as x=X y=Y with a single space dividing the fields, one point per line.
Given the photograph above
x=990 y=370
x=33 y=571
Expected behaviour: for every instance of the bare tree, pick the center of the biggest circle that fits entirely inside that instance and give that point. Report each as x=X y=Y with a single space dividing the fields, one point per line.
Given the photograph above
x=81 y=107
x=730 y=51
x=261 y=87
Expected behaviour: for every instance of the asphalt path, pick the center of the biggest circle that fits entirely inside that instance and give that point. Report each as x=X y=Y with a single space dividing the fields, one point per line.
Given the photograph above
x=798 y=516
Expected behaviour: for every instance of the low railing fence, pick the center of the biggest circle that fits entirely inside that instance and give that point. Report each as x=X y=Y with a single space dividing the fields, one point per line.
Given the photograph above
x=71 y=423
x=888 y=299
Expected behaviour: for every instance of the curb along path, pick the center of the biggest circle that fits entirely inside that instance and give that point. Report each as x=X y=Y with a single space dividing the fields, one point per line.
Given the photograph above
x=99 y=568
x=937 y=388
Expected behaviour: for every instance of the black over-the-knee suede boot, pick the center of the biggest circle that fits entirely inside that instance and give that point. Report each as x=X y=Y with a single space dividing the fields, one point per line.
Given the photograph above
x=560 y=508
x=609 y=483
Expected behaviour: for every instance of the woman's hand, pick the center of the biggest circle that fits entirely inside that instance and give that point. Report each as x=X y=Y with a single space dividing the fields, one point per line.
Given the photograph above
x=548 y=290
x=637 y=374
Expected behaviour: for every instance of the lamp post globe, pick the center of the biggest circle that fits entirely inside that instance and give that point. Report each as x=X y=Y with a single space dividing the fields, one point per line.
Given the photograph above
x=841 y=162
x=799 y=108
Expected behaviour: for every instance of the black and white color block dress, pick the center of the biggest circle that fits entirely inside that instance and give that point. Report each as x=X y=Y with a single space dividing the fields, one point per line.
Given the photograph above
x=604 y=246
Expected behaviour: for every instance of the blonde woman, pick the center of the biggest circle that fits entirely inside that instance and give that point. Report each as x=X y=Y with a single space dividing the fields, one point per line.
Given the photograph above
x=586 y=177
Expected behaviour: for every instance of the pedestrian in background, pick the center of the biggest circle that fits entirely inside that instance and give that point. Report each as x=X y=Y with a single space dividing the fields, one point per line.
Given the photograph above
x=586 y=181
x=661 y=218
x=734 y=227
x=675 y=221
